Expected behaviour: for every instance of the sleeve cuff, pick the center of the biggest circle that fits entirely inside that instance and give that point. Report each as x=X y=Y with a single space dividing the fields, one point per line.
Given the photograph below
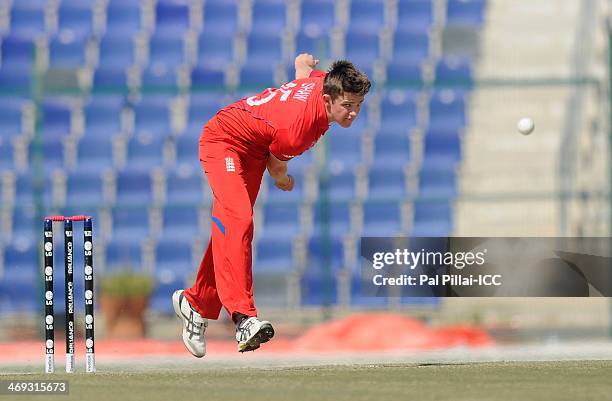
x=281 y=158
x=317 y=74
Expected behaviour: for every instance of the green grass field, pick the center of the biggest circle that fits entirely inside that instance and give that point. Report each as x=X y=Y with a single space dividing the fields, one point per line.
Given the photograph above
x=567 y=380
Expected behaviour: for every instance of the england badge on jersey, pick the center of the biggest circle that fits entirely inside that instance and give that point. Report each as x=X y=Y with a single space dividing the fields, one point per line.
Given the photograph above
x=229 y=165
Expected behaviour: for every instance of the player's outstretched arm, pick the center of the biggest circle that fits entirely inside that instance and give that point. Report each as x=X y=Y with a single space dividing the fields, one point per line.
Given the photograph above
x=304 y=64
x=278 y=171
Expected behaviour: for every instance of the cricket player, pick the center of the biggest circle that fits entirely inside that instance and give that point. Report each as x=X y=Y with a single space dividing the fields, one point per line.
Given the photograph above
x=236 y=146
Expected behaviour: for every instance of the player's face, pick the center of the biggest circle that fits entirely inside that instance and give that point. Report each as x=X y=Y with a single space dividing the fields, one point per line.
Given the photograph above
x=344 y=109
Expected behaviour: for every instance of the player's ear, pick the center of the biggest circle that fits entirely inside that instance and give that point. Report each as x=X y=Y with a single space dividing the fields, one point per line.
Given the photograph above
x=327 y=99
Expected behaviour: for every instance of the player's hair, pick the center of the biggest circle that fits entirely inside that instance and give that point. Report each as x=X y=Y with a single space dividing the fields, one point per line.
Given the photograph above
x=344 y=77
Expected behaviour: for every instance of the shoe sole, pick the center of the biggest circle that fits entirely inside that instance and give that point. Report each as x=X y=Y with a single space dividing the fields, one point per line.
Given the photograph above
x=177 y=310
x=265 y=334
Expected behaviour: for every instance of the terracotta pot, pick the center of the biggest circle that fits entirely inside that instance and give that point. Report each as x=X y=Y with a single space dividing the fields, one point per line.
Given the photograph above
x=124 y=316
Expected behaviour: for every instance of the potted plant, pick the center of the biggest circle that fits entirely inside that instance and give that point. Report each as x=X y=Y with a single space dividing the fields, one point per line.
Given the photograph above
x=124 y=299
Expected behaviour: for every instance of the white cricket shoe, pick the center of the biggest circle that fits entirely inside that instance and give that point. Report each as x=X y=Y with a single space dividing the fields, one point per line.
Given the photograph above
x=194 y=325
x=252 y=332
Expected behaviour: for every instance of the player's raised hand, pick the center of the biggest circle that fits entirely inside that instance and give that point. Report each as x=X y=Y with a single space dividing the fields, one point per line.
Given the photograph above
x=285 y=185
x=306 y=59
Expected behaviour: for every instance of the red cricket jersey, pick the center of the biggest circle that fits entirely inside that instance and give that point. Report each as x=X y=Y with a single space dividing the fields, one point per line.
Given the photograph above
x=284 y=121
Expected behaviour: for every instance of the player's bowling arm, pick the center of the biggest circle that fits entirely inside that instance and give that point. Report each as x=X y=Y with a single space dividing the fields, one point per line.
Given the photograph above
x=277 y=168
x=304 y=64
x=278 y=171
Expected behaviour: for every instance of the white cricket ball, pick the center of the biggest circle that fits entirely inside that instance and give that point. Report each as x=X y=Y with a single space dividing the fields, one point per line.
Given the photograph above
x=525 y=126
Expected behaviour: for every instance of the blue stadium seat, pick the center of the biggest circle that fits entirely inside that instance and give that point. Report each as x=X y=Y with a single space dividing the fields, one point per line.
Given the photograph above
x=415 y=15
x=17 y=80
x=18 y=294
x=171 y=18
x=6 y=156
x=410 y=47
x=185 y=186
x=274 y=253
x=203 y=77
x=123 y=19
x=110 y=80
x=381 y=219
x=317 y=44
x=10 y=116
x=172 y=264
x=152 y=114
x=174 y=255
x=437 y=182
x=317 y=17
x=134 y=188
x=318 y=287
x=325 y=252
x=103 y=116
x=269 y=16
x=21 y=256
x=50 y=148
x=281 y=220
x=75 y=19
x=442 y=148
x=84 y=188
x=221 y=16
x=398 y=112
x=24 y=189
x=258 y=76
x=116 y=52
x=181 y=222
x=95 y=153
x=366 y=16
x=333 y=217
x=387 y=184
x=123 y=255
x=465 y=12
x=28 y=20
x=17 y=52
x=187 y=148
x=447 y=110
x=166 y=51
x=391 y=151
x=67 y=52
x=407 y=74
x=342 y=186
x=145 y=151
x=432 y=219
x=41 y=4
x=130 y=224
x=24 y=226
x=363 y=49
x=215 y=50
x=264 y=48
x=454 y=71
x=202 y=107
x=159 y=78
x=21 y=273
x=56 y=117
x=344 y=149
